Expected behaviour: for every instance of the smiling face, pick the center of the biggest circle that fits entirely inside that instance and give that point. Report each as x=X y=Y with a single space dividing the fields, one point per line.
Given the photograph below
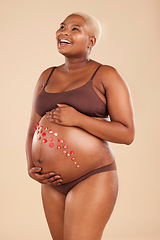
x=74 y=37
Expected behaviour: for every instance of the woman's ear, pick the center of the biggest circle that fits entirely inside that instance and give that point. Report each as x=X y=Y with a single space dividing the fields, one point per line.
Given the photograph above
x=92 y=42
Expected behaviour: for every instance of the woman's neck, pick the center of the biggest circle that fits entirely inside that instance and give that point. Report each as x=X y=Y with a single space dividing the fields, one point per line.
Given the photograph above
x=75 y=64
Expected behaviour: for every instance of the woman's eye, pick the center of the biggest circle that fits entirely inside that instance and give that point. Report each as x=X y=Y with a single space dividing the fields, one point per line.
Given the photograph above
x=75 y=29
x=61 y=27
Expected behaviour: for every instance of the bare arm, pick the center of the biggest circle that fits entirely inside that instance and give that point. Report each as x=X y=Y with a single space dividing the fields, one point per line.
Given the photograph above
x=33 y=171
x=121 y=127
x=33 y=121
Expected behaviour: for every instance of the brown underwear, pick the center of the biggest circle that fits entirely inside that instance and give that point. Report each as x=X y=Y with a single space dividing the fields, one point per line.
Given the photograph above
x=66 y=187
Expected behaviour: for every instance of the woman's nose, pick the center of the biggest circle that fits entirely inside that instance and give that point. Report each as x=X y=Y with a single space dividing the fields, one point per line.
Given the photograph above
x=66 y=32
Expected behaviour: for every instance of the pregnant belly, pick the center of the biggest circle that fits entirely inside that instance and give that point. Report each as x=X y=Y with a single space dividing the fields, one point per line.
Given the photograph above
x=68 y=151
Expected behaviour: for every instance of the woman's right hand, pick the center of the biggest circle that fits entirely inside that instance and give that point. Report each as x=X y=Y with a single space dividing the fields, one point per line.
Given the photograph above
x=45 y=178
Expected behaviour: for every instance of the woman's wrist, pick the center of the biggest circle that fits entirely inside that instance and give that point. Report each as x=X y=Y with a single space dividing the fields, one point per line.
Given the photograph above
x=80 y=119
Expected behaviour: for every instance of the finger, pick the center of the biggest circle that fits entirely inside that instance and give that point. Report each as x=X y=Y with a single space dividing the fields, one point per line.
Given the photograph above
x=51 y=120
x=58 y=121
x=44 y=181
x=52 y=112
x=36 y=169
x=54 y=178
x=50 y=116
x=43 y=178
x=57 y=182
x=57 y=110
x=48 y=175
x=62 y=105
x=37 y=176
x=48 y=113
x=56 y=115
x=49 y=178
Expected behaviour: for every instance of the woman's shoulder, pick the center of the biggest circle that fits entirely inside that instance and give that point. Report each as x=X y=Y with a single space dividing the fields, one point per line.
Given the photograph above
x=110 y=75
x=108 y=69
x=104 y=69
x=44 y=75
x=47 y=71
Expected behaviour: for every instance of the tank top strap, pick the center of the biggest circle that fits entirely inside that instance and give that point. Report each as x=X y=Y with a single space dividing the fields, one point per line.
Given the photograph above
x=95 y=72
x=49 y=77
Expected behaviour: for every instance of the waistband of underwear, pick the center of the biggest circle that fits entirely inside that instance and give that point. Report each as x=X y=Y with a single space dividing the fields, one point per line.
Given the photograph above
x=109 y=167
x=106 y=168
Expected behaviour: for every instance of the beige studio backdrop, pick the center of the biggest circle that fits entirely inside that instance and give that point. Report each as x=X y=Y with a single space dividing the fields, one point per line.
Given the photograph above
x=130 y=42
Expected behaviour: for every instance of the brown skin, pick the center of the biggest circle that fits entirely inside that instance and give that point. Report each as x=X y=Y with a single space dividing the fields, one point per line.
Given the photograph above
x=99 y=191
x=121 y=127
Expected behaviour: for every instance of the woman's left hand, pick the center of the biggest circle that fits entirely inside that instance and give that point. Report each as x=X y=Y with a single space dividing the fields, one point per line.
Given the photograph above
x=64 y=115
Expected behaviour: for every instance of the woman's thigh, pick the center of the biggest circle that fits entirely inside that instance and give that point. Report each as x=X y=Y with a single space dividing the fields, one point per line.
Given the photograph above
x=89 y=205
x=54 y=204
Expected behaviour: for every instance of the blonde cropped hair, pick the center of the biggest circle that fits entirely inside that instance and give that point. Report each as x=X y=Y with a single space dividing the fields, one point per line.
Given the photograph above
x=93 y=22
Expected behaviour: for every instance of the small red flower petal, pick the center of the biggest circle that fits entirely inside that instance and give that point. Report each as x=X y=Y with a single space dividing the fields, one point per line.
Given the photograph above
x=51 y=145
x=50 y=131
x=55 y=134
x=50 y=139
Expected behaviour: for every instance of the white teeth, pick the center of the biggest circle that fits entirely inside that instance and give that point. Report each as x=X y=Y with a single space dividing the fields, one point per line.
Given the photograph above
x=64 y=41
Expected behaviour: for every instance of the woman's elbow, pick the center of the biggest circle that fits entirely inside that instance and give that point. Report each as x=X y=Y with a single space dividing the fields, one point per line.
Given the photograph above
x=129 y=141
x=130 y=137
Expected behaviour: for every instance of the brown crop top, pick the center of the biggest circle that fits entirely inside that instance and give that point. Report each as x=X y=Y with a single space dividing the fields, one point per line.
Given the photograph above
x=84 y=99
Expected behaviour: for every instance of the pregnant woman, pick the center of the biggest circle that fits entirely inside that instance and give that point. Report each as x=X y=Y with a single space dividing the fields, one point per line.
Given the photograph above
x=78 y=107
